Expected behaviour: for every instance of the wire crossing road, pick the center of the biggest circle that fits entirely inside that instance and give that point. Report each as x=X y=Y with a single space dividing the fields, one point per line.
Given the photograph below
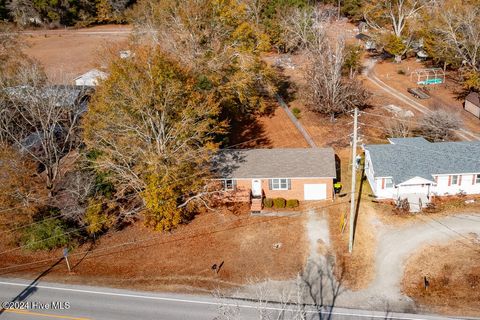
x=58 y=301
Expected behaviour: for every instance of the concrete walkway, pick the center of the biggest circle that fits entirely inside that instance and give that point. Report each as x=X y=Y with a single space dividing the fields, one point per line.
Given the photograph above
x=295 y=121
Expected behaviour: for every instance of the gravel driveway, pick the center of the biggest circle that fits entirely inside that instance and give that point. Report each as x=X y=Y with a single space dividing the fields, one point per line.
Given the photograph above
x=395 y=245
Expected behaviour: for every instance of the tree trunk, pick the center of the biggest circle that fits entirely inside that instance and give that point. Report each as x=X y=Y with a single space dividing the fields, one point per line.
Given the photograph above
x=50 y=183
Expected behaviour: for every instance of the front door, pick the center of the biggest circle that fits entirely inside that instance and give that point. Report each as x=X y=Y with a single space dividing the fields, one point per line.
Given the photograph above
x=256 y=188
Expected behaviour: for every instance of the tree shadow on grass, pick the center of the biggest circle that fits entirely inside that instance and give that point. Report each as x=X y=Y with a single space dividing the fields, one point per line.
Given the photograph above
x=247 y=133
x=32 y=287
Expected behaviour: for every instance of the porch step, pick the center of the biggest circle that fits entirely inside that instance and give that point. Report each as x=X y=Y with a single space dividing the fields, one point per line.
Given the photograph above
x=256 y=205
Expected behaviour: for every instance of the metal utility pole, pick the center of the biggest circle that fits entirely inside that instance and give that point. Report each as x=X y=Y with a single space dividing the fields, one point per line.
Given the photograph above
x=354 y=179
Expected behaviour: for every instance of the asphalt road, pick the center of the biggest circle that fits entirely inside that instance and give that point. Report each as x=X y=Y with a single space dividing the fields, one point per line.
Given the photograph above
x=42 y=300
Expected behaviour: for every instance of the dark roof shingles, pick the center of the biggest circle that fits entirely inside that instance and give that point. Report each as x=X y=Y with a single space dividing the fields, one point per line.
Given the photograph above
x=275 y=163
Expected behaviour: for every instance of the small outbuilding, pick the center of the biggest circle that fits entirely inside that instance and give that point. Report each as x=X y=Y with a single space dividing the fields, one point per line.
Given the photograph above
x=472 y=104
x=90 y=78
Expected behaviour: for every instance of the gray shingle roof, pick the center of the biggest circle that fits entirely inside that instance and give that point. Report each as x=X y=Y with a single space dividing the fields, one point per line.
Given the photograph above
x=416 y=157
x=275 y=163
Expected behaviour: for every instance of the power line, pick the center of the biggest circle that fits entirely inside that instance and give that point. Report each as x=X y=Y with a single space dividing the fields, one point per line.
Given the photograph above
x=114 y=200
x=409 y=121
x=84 y=227
x=449 y=229
x=157 y=236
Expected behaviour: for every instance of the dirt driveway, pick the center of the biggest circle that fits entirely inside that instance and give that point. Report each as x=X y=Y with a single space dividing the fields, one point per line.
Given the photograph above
x=368 y=72
x=395 y=245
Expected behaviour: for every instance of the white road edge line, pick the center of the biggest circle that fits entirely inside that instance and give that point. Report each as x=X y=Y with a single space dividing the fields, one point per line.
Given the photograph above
x=126 y=295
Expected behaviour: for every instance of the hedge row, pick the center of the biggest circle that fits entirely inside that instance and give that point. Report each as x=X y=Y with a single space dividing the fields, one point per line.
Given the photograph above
x=280 y=203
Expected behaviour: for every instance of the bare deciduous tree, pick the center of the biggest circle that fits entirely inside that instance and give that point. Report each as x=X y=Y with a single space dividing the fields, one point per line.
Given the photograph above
x=439 y=125
x=328 y=91
x=300 y=26
x=459 y=34
x=396 y=17
x=42 y=121
x=400 y=127
x=396 y=13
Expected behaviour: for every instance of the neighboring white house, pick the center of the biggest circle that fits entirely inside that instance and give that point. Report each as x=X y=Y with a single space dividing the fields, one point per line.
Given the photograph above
x=90 y=78
x=415 y=169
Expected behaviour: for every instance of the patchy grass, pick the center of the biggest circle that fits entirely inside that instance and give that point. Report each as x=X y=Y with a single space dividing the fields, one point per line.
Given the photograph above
x=357 y=267
x=180 y=260
x=453 y=273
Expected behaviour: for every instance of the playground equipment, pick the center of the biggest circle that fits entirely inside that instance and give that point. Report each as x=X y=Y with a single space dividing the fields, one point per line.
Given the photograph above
x=428 y=76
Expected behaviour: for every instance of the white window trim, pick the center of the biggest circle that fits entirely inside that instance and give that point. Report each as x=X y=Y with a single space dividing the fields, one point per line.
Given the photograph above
x=391 y=183
x=456 y=182
x=477 y=179
x=280 y=184
x=224 y=181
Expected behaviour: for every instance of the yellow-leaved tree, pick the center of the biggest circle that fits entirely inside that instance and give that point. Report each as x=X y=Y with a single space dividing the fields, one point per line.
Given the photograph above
x=216 y=39
x=154 y=129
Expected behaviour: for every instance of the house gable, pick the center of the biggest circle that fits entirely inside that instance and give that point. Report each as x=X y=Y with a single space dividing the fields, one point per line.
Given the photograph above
x=416 y=181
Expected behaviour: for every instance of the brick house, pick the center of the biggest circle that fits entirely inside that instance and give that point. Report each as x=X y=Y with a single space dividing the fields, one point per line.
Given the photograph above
x=253 y=174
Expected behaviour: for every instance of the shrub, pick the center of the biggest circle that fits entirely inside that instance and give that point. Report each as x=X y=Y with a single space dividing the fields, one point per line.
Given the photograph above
x=279 y=203
x=292 y=203
x=268 y=202
x=97 y=218
x=46 y=235
x=296 y=112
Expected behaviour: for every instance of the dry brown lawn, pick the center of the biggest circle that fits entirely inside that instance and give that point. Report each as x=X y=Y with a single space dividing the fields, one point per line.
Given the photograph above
x=445 y=95
x=453 y=272
x=273 y=130
x=357 y=268
x=65 y=54
x=181 y=260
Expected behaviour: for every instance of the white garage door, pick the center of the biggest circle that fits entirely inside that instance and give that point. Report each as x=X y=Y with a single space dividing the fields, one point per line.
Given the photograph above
x=315 y=191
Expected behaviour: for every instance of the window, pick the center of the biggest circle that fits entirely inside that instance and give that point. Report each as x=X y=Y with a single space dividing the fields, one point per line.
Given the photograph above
x=229 y=184
x=388 y=183
x=477 y=179
x=279 y=184
x=454 y=180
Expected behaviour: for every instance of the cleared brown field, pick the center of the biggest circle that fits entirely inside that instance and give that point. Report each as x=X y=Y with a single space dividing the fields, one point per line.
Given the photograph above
x=65 y=54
